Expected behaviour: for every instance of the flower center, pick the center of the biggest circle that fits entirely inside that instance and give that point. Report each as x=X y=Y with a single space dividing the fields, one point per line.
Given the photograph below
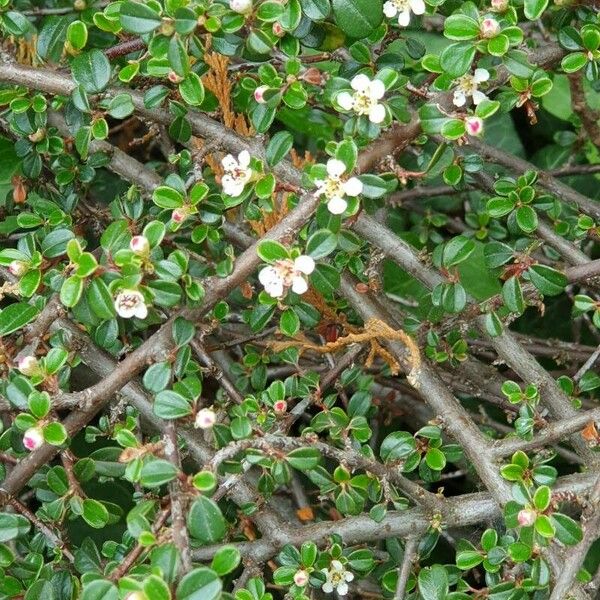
x=363 y=102
x=129 y=300
x=337 y=577
x=467 y=84
x=334 y=187
x=401 y=5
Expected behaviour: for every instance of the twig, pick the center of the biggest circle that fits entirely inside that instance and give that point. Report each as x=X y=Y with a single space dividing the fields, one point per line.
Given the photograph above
x=410 y=550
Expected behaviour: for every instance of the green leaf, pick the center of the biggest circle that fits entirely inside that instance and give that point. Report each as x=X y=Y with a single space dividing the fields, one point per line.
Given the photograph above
x=547 y=280
x=55 y=434
x=456 y=59
x=226 y=560
x=100 y=590
x=94 y=513
x=534 y=8
x=270 y=251
x=171 y=405
x=435 y=459
x=71 y=290
x=192 y=89
x=91 y=70
x=397 y=445
x=433 y=583
x=527 y=218
x=304 y=459
x=457 y=250
x=15 y=316
x=316 y=10
x=568 y=531
x=77 y=34
x=321 y=243
x=200 y=584
x=358 y=18
x=100 y=299
x=544 y=526
x=278 y=147
x=9 y=161
x=468 y=559
x=157 y=472
x=138 y=17
x=12 y=526
x=289 y=323
x=461 y=27
x=512 y=295
x=206 y=523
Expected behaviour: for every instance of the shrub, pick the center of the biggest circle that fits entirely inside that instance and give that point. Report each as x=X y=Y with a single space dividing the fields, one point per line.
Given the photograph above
x=299 y=299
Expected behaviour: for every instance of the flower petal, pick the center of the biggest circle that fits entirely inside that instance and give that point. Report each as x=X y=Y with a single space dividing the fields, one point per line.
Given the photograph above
x=337 y=206
x=299 y=285
x=377 y=113
x=417 y=6
x=229 y=163
x=353 y=187
x=337 y=565
x=390 y=10
x=480 y=75
x=141 y=311
x=348 y=576
x=274 y=288
x=304 y=264
x=267 y=274
x=327 y=587
x=345 y=100
x=244 y=158
x=459 y=98
x=377 y=89
x=360 y=83
x=478 y=97
x=342 y=588
x=404 y=18
x=335 y=167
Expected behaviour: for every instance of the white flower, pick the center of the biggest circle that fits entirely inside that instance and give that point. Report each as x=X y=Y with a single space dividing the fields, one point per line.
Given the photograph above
x=489 y=28
x=139 y=245
x=131 y=303
x=136 y=596
x=241 y=6
x=467 y=85
x=474 y=125
x=301 y=578
x=33 y=438
x=334 y=188
x=403 y=8
x=259 y=94
x=205 y=419
x=337 y=578
x=526 y=517
x=286 y=273
x=237 y=173
x=365 y=99
x=18 y=268
x=28 y=365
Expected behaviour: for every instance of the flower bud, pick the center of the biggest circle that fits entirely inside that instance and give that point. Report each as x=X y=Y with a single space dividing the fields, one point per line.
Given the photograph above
x=179 y=215
x=37 y=136
x=489 y=28
x=28 y=365
x=278 y=30
x=243 y=7
x=174 y=78
x=301 y=578
x=136 y=596
x=280 y=407
x=18 y=268
x=205 y=419
x=526 y=517
x=79 y=5
x=33 y=438
x=259 y=94
x=139 y=245
x=474 y=125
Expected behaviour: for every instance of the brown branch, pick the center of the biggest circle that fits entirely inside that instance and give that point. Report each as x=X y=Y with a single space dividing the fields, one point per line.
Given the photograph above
x=410 y=550
x=589 y=117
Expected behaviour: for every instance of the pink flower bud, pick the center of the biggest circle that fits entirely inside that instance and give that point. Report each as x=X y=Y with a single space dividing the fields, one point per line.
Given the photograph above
x=205 y=419
x=301 y=578
x=489 y=28
x=278 y=30
x=280 y=407
x=18 y=268
x=174 y=78
x=474 y=125
x=179 y=215
x=259 y=94
x=526 y=517
x=28 y=365
x=139 y=245
x=33 y=438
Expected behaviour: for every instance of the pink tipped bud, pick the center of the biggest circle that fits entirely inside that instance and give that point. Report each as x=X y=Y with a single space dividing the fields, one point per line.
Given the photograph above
x=526 y=517
x=205 y=419
x=139 y=245
x=28 y=365
x=179 y=215
x=280 y=407
x=301 y=578
x=243 y=7
x=278 y=30
x=489 y=28
x=33 y=438
x=499 y=5
x=474 y=125
x=259 y=94
x=174 y=78
x=18 y=268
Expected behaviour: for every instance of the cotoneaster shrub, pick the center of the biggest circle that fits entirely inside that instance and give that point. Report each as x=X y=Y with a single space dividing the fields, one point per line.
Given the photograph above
x=300 y=299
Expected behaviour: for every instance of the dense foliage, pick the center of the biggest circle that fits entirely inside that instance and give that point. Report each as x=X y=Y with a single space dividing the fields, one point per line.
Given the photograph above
x=299 y=299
